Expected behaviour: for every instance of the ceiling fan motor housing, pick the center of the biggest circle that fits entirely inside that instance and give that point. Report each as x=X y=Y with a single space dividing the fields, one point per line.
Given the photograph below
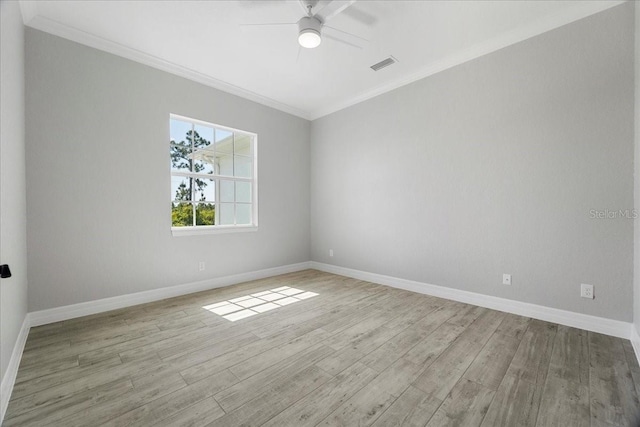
x=309 y=31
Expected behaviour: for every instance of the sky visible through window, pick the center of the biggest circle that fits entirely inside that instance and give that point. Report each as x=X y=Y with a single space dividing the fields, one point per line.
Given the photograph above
x=178 y=132
x=261 y=302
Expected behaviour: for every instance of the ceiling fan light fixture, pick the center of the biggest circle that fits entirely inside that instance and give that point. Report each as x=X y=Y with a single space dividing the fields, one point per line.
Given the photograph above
x=309 y=32
x=309 y=38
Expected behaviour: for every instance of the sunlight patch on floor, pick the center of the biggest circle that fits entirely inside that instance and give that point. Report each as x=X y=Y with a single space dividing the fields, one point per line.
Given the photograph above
x=261 y=302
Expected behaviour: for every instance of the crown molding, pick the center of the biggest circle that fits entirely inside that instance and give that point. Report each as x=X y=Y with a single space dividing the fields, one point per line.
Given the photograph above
x=517 y=35
x=70 y=33
x=32 y=19
x=28 y=10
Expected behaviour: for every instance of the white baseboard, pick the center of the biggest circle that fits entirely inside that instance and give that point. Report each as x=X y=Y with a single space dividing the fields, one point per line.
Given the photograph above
x=601 y=325
x=58 y=314
x=9 y=378
x=591 y=323
x=635 y=342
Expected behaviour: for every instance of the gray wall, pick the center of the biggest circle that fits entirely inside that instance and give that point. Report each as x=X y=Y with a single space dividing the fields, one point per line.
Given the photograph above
x=486 y=168
x=13 y=251
x=492 y=167
x=98 y=178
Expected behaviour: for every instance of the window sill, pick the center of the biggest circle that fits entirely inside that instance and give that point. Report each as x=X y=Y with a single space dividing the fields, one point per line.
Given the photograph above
x=220 y=229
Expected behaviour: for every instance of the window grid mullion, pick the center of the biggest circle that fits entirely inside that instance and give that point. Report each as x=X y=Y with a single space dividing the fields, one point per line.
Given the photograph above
x=235 y=220
x=191 y=179
x=217 y=202
x=210 y=176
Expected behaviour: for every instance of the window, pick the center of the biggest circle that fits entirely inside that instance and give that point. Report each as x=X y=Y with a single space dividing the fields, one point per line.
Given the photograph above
x=213 y=177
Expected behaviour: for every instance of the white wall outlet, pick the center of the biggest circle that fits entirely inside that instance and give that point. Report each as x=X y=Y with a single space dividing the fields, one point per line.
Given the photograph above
x=586 y=291
x=201 y=266
x=330 y=252
x=506 y=279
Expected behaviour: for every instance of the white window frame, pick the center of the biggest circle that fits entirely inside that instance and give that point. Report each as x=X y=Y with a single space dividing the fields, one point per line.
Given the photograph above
x=217 y=229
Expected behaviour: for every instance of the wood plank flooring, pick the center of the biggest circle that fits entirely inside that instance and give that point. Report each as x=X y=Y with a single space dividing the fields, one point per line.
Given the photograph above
x=355 y=354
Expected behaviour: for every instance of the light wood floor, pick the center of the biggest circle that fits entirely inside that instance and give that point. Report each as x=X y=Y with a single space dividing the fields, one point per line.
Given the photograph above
x=355 y=354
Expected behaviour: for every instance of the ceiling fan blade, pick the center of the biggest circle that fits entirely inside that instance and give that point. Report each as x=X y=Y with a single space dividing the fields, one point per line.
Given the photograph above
x=345 y=33
x=339 y=40
x=267 y=24
x=360 y=15
x=332 y=9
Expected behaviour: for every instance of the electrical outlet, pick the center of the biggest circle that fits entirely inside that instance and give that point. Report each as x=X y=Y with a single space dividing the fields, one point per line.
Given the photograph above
x=506 y=279
x=586 y=291
x=330 y=252
x=201 y=266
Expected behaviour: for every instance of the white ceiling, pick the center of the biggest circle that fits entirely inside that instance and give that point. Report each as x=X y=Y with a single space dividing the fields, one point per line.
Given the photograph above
x=203 y=40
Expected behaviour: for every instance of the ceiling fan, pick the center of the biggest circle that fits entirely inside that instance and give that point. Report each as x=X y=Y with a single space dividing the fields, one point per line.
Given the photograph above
x=313 y=26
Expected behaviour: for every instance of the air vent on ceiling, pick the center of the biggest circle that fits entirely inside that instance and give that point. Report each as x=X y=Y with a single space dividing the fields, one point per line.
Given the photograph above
x=384 y=63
